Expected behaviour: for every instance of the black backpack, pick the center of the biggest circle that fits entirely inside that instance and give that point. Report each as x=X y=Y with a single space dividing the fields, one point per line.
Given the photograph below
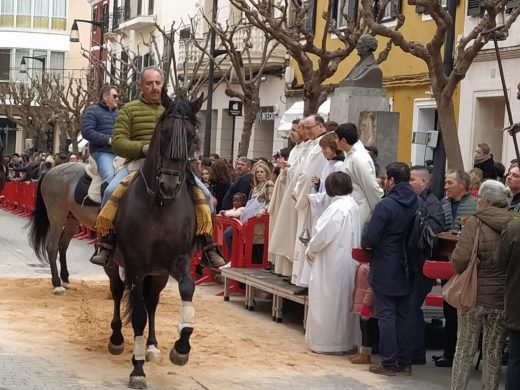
x=420 y=240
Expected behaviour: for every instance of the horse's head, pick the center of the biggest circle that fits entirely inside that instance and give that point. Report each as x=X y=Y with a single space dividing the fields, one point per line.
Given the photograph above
x=176 y=130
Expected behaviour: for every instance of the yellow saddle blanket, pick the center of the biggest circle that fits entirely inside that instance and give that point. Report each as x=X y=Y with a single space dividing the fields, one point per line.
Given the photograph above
x=105 y=218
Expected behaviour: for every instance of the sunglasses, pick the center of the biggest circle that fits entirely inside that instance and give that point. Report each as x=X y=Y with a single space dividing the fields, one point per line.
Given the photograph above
x=115 y=96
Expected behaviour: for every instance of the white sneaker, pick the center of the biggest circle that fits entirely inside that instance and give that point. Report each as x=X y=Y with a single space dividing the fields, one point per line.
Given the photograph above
x=227 y=265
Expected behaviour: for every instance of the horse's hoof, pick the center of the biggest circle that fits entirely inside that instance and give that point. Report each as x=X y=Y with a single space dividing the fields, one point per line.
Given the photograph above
x=137 y=382
x=153 y=354
x=65 y=285
x=179 y=359
x=116 y=349
x=59 y=290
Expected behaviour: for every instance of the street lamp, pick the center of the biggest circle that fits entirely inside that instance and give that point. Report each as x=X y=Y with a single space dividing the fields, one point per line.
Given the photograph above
x=74 y=37
x=23 y=64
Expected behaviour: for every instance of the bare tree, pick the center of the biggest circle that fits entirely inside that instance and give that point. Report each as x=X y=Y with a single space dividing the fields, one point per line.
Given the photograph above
x=443 y=85
x=31 y=105
x=237 y=40
x=286 y=21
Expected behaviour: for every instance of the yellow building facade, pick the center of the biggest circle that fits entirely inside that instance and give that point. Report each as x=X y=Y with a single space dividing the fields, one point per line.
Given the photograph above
x=405 y=77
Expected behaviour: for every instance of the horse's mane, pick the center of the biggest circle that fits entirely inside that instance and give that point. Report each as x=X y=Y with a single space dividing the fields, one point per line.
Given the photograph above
x=173 y=120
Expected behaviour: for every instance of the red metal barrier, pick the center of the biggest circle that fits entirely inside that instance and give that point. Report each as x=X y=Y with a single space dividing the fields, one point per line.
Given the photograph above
x=436 y=270
x=19 y=197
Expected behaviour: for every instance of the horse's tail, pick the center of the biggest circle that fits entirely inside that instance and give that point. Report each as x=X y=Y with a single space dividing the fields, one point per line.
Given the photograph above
x=126 y=307
x=39 y=226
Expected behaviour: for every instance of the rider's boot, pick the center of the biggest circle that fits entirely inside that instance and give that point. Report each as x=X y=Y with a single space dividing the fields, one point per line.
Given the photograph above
x=104 y=250
x=211 y=252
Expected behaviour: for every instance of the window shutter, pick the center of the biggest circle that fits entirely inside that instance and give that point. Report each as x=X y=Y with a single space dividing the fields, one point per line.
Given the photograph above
x=396 y=8
x=352 y=10
x=473 y=7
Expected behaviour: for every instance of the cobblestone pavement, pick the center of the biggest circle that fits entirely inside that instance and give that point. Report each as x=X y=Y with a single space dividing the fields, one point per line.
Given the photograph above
x=24 y=367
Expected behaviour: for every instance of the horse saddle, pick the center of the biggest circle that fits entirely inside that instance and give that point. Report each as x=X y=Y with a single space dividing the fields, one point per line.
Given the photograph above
x=88 y=189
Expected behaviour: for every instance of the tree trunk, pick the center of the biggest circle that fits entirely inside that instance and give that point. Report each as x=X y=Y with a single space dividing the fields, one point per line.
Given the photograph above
x=450 y=136
x=311 y=97
x=62 y=133
x=251 y=107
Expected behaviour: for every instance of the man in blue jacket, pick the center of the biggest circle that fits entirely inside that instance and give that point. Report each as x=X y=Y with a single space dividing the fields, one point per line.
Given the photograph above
x=97 y=126
x=385 y=235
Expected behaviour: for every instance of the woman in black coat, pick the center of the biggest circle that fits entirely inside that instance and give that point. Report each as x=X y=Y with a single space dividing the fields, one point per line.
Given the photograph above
x=219 y=181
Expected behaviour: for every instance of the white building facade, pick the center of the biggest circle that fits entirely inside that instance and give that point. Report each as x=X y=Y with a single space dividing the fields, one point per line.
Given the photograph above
x=483 y=112
x=36 y=28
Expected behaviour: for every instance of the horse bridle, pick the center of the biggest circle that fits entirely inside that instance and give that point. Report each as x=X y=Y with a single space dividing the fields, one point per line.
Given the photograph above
x=159 y=170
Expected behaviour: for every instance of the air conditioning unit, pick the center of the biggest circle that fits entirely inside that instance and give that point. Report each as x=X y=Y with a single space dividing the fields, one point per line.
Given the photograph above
x=428 y=138
x=29 y=143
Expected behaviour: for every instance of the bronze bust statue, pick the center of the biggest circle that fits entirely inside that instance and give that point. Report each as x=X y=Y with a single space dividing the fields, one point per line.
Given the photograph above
x=366 y=73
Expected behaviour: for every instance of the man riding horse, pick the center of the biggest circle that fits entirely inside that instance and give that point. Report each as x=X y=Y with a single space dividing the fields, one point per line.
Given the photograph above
x=133 y=131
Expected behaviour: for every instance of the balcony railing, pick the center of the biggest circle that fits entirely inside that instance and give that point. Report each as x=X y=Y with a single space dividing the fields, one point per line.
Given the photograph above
x=126 y=17
x=189 y=54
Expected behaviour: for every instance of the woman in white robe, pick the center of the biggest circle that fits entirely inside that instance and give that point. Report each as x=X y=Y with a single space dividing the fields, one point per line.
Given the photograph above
x=331 y=326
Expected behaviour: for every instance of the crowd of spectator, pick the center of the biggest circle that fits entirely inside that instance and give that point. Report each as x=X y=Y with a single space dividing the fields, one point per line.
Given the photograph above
x=326 y=189
x=29 y=166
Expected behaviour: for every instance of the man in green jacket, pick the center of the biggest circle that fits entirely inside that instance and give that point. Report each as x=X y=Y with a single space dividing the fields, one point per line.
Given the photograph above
x=508 y=257
x=459 y=203
x=132 y=134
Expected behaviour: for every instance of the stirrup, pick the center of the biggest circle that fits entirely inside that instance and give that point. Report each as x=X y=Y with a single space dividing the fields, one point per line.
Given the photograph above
x=101 y=258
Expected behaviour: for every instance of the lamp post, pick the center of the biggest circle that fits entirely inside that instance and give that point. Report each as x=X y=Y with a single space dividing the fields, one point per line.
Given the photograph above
x=74 y=37
x=23 y=64
x=211 y=78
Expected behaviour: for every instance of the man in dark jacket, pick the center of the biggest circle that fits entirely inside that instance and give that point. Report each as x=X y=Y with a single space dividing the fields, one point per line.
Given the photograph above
x=242 y=183
x=420 y=181
x=457 y=204
x=483 y=159
x=513 y=182
x=97 y=126
x=508 y=257
x=385 y=235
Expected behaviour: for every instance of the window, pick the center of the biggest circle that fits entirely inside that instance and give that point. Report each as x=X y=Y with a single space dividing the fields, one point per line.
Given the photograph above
x=57 y=63
x=104 y=17
x=310 y=14
x=342 y=11
x=59 y=15
x=41 y=14
x=393 y=8
x=150 y=7
x=16 y=75
x=7 y=13
x=5 y=64
x=37 y=66
x=24 y=13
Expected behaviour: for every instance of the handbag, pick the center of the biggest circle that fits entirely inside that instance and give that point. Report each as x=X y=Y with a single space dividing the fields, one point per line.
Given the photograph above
x=461 y=290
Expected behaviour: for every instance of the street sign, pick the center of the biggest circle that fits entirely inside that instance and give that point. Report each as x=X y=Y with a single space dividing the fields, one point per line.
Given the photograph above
x=235 y=108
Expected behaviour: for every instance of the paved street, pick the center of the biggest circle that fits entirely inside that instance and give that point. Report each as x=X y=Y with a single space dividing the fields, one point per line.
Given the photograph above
x=23 y=366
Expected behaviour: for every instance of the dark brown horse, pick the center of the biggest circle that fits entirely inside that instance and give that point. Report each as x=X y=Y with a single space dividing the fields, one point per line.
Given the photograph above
x=155 y=231
x=155 y=235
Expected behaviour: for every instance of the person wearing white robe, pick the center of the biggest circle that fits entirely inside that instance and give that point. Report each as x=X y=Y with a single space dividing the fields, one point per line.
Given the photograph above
x=335 y=157
x=359 y=165
x=331 y=327
x=312 y=166
x=284 y=232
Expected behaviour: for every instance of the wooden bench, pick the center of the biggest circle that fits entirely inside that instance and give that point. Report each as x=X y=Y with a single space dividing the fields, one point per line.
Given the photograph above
x=255 y=279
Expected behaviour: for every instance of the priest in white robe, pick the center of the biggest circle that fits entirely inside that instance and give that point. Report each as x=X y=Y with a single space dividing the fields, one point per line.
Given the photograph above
x=359 y=165
x=283 y=219
x=312 y=166
x=331 y=326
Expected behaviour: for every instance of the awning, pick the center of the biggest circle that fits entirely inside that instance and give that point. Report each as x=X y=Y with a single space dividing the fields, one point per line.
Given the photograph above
x=296 y=112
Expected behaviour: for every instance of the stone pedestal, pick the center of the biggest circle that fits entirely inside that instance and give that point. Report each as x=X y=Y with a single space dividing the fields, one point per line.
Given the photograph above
x=380 y=129
x=347 y=103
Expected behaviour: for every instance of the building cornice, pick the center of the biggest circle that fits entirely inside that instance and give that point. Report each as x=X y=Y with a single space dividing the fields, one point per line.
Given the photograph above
x=506 y=53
